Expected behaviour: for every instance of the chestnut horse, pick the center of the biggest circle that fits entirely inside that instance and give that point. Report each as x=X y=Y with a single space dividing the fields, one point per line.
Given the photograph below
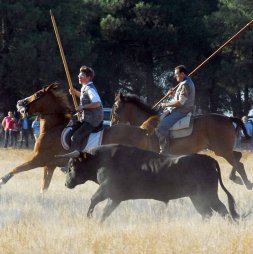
x=212 y=131
x=54 y=109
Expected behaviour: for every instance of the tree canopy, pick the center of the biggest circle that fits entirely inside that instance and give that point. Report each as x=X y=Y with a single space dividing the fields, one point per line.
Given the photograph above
x=132 y=45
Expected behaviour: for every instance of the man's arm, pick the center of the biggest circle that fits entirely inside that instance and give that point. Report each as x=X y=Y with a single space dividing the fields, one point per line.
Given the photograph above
x=90 y=106
x=175 y=104
x=95 y=100
x=182 y=98
x=75 y=92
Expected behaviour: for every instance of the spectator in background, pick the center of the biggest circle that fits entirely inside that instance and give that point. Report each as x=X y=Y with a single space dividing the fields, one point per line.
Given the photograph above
x=24 y=126
x=7 y=124
x=249 y=128
x=15 y=132
x=36 y=127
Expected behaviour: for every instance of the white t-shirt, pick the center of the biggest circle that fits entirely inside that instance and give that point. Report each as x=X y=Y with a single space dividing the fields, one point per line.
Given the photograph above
x=93 y=95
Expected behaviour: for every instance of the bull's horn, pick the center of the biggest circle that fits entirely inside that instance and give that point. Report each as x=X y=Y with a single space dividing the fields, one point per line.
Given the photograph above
x=73 y=154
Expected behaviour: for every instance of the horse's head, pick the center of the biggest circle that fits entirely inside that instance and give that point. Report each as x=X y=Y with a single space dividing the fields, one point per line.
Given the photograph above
x=117 y=110
x=41 y=101
x=130 y=109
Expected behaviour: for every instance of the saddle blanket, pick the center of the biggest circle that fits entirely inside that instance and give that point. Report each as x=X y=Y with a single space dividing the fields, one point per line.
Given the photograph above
x=182 y=123
x=183 y=127
x=95 y=139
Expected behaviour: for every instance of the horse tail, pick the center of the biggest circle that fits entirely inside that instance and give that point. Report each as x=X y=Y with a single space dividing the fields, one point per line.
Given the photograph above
x=150 y=124
x=239 y=124
x=231 y=201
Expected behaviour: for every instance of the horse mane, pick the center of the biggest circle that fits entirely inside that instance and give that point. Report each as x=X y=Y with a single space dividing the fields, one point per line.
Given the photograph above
x=62 y=98
x=133 y=98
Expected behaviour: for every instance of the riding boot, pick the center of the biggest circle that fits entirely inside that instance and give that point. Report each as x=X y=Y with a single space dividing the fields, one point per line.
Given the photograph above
x=80 y=137
x=164 y=145
x=163 y=142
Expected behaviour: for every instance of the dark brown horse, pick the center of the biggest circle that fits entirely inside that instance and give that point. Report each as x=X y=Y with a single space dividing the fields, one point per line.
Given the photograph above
x=53 y=106
x=213 y=131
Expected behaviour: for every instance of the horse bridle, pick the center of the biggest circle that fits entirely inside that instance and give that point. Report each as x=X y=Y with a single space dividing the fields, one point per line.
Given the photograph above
x=22 y=104
x=115 y=114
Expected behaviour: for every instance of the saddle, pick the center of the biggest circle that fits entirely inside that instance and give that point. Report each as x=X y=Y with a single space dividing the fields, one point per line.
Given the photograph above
x=90 y=141
x=183 y=127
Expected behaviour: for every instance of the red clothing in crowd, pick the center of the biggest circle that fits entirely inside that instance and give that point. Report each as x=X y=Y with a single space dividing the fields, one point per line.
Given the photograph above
x=8 y=123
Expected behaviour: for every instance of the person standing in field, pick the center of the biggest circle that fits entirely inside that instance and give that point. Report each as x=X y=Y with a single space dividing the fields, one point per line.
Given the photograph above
x=15 y=132
x=36 y=127
x=7 y=124
x=246 y=143
x=24 y=129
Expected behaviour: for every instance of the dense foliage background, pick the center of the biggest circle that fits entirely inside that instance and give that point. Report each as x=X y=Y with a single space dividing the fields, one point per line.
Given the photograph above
x=132 y=45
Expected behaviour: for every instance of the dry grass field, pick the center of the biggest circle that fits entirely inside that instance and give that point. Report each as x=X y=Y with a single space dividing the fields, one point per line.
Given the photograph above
x=56 y=221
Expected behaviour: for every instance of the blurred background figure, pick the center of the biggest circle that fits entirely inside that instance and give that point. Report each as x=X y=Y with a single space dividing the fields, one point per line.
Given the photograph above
x=246 y=144
x=15 y=132
x=36 y=127
x=24 y=126
x=7 y=124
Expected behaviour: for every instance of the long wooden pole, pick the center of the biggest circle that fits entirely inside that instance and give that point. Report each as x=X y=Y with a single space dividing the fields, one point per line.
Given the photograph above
x=64 y=60
x=211 y=56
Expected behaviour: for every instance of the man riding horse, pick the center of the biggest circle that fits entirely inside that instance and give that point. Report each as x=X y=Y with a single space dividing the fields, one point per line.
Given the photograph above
x=183 y=103
x=91 y=108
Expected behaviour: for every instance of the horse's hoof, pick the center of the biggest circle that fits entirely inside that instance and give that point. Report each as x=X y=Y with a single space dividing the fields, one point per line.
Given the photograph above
x=249 y=186
x=90 y=214
x=236 y=179
x=1 y=183
x=6 y=178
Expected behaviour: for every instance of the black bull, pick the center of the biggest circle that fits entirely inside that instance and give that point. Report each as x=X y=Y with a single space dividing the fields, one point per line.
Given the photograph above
x=125 y=173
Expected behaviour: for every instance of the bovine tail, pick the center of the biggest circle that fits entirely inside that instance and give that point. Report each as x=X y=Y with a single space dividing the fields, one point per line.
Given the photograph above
x=239 y=124
x=231 y=201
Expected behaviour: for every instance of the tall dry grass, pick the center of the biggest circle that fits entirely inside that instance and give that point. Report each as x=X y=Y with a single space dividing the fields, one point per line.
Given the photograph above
x=56 y=222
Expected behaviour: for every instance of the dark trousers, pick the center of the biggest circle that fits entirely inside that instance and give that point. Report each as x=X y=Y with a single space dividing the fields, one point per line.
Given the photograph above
x=79 y=136
x=24 y=134
x=15 y=138
x=7 y=138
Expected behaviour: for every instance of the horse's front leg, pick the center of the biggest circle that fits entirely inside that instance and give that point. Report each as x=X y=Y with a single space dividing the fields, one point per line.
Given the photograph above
x=23 y=167
x=48 y=173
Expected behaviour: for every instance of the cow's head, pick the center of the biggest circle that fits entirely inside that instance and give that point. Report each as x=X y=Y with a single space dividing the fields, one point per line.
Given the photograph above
x=79 y=168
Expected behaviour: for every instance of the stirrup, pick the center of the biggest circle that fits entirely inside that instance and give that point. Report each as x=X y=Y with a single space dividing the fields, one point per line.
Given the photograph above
x=164 y=151
x=164 y=146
